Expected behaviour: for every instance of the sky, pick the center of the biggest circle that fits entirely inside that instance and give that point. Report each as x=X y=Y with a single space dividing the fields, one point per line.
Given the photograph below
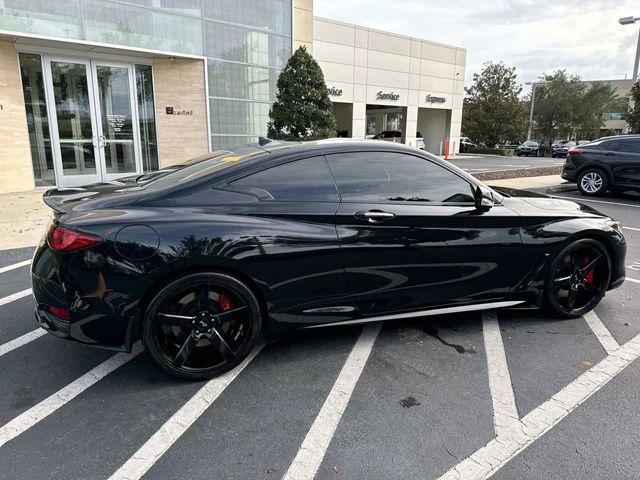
x=535 y=36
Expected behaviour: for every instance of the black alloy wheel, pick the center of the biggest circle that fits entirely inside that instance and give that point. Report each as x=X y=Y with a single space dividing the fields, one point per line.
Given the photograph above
x=201 y=325
x=578 y=278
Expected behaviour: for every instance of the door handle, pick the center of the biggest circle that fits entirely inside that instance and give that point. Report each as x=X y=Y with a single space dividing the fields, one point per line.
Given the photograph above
x=374 y=216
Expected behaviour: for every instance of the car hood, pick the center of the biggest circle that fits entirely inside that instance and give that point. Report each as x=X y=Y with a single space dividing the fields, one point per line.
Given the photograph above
x=529 y=203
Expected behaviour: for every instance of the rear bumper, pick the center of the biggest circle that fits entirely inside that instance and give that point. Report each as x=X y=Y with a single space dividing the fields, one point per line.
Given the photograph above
x=107 y=318
x=52 y=324
x=568 y=173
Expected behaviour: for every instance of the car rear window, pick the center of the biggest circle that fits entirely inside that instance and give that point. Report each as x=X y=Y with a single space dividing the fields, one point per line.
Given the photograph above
x=206 y=164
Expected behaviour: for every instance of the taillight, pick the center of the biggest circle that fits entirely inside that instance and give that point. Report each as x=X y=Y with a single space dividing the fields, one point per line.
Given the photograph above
x=62 y=313
x=64 y=240
x=574 y=151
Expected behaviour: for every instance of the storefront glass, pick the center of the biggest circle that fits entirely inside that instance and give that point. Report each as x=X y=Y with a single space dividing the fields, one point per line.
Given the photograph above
x=37 y=120
x=147 y=117
x=246 y=44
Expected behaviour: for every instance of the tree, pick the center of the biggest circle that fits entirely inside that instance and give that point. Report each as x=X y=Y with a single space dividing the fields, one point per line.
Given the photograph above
x=303 y=108
x=633 y=113
x=566 y=107
x=493 y=112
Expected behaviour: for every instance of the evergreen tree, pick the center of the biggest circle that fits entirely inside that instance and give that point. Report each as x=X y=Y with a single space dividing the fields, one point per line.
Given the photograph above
x=303 y=109
x=493 y=112
x=633 y=114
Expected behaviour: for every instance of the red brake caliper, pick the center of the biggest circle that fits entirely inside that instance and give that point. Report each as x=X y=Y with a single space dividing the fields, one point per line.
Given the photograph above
x=225 y=304
x=589 y=276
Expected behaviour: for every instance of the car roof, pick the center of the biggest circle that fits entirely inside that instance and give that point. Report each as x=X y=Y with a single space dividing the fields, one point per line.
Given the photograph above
x=277 y=152
x=633 y=136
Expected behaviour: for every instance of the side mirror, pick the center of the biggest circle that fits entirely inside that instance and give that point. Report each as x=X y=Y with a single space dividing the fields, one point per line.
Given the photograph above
x=483 y=199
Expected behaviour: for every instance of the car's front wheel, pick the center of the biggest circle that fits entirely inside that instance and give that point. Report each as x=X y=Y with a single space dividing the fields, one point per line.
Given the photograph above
x=578 y=278
x=201 y=325
x=593 y=182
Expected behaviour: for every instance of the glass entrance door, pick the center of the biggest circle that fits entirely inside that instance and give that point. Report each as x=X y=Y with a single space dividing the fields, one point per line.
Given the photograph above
x=117 y=129
x=94 y=121
x=74 y=129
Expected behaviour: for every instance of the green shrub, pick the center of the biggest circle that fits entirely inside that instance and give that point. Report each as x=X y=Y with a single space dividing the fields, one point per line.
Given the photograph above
x=500 y=152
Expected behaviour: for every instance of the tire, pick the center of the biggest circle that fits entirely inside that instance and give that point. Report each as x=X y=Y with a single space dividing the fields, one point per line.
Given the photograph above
x=519 y=154
x=593 y=182
x=201 y=325
x=583 y=270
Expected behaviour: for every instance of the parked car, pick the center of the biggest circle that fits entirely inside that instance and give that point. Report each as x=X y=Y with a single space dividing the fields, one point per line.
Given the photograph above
x=530 y=147
x=420 y=141
x=263 y=239
x=509 y=145
x=561 y=149
x=466 y=144
x=607 y=164
x=389 y=136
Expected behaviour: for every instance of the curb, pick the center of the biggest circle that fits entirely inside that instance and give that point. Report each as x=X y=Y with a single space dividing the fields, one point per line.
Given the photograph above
x=565 y=187
x=518 y=173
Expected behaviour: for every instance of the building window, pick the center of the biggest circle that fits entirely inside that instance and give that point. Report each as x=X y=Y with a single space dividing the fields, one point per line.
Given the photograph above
x=393 y=121
x=612 y=116
x=371 y=125
x=37 y=119
x=147 y=118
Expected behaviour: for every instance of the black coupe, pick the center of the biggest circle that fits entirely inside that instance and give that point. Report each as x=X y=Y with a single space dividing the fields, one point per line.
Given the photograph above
x=273 y=236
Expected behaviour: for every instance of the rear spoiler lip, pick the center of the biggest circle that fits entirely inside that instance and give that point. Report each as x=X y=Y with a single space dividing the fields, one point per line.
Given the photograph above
x=56 y=198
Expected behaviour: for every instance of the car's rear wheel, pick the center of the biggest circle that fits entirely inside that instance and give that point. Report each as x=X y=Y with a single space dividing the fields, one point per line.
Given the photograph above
x=201 y=325
x=593 y=182
x=578 y=278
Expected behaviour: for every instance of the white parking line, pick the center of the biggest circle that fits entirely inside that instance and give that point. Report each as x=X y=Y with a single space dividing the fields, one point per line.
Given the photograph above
x=22 y=340
x=632 y=228
x=141 y=461
x=31 y=417
x=315 y=444
x=487 y=460
x=15 y=265
x=14 y=297
x=585 y=199
x=633 y=280
x=607 y=341
x=505 y=412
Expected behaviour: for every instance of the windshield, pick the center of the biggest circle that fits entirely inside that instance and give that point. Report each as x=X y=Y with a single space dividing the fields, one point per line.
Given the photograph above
x=530 y=143
x=205 y=164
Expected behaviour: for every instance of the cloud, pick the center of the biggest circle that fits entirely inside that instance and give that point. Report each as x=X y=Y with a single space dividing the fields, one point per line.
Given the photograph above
x=536 y=36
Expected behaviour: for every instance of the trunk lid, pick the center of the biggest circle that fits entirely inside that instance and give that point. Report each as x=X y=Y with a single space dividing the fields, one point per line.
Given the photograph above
x=64 y=200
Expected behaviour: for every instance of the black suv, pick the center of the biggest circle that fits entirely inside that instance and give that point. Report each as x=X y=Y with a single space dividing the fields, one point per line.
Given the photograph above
x=609 y=163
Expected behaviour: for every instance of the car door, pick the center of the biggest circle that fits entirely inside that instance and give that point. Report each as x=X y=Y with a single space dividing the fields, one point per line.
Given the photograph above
x=412 y=238
x=626 y=162
x=297 y=257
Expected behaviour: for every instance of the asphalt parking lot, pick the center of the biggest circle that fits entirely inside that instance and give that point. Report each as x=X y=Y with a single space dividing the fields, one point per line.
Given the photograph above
x=507 y=395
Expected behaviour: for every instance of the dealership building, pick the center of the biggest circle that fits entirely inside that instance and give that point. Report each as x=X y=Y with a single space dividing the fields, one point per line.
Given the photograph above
x=94 y=90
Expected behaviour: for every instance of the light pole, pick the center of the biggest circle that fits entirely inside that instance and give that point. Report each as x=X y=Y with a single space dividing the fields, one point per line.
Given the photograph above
x=533 y=101
x=630 y=21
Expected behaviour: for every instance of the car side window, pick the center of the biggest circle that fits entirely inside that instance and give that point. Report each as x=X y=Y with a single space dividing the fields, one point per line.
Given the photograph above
x=396 y=177
x=629 y=146
x=302 y=180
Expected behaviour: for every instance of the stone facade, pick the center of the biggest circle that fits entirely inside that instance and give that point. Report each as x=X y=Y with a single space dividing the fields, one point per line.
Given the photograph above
x=16 y=172
x=303 y=24
x=180 y=83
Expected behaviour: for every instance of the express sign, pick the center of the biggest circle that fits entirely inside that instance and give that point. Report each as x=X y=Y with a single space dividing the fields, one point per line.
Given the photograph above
x=434 y=99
